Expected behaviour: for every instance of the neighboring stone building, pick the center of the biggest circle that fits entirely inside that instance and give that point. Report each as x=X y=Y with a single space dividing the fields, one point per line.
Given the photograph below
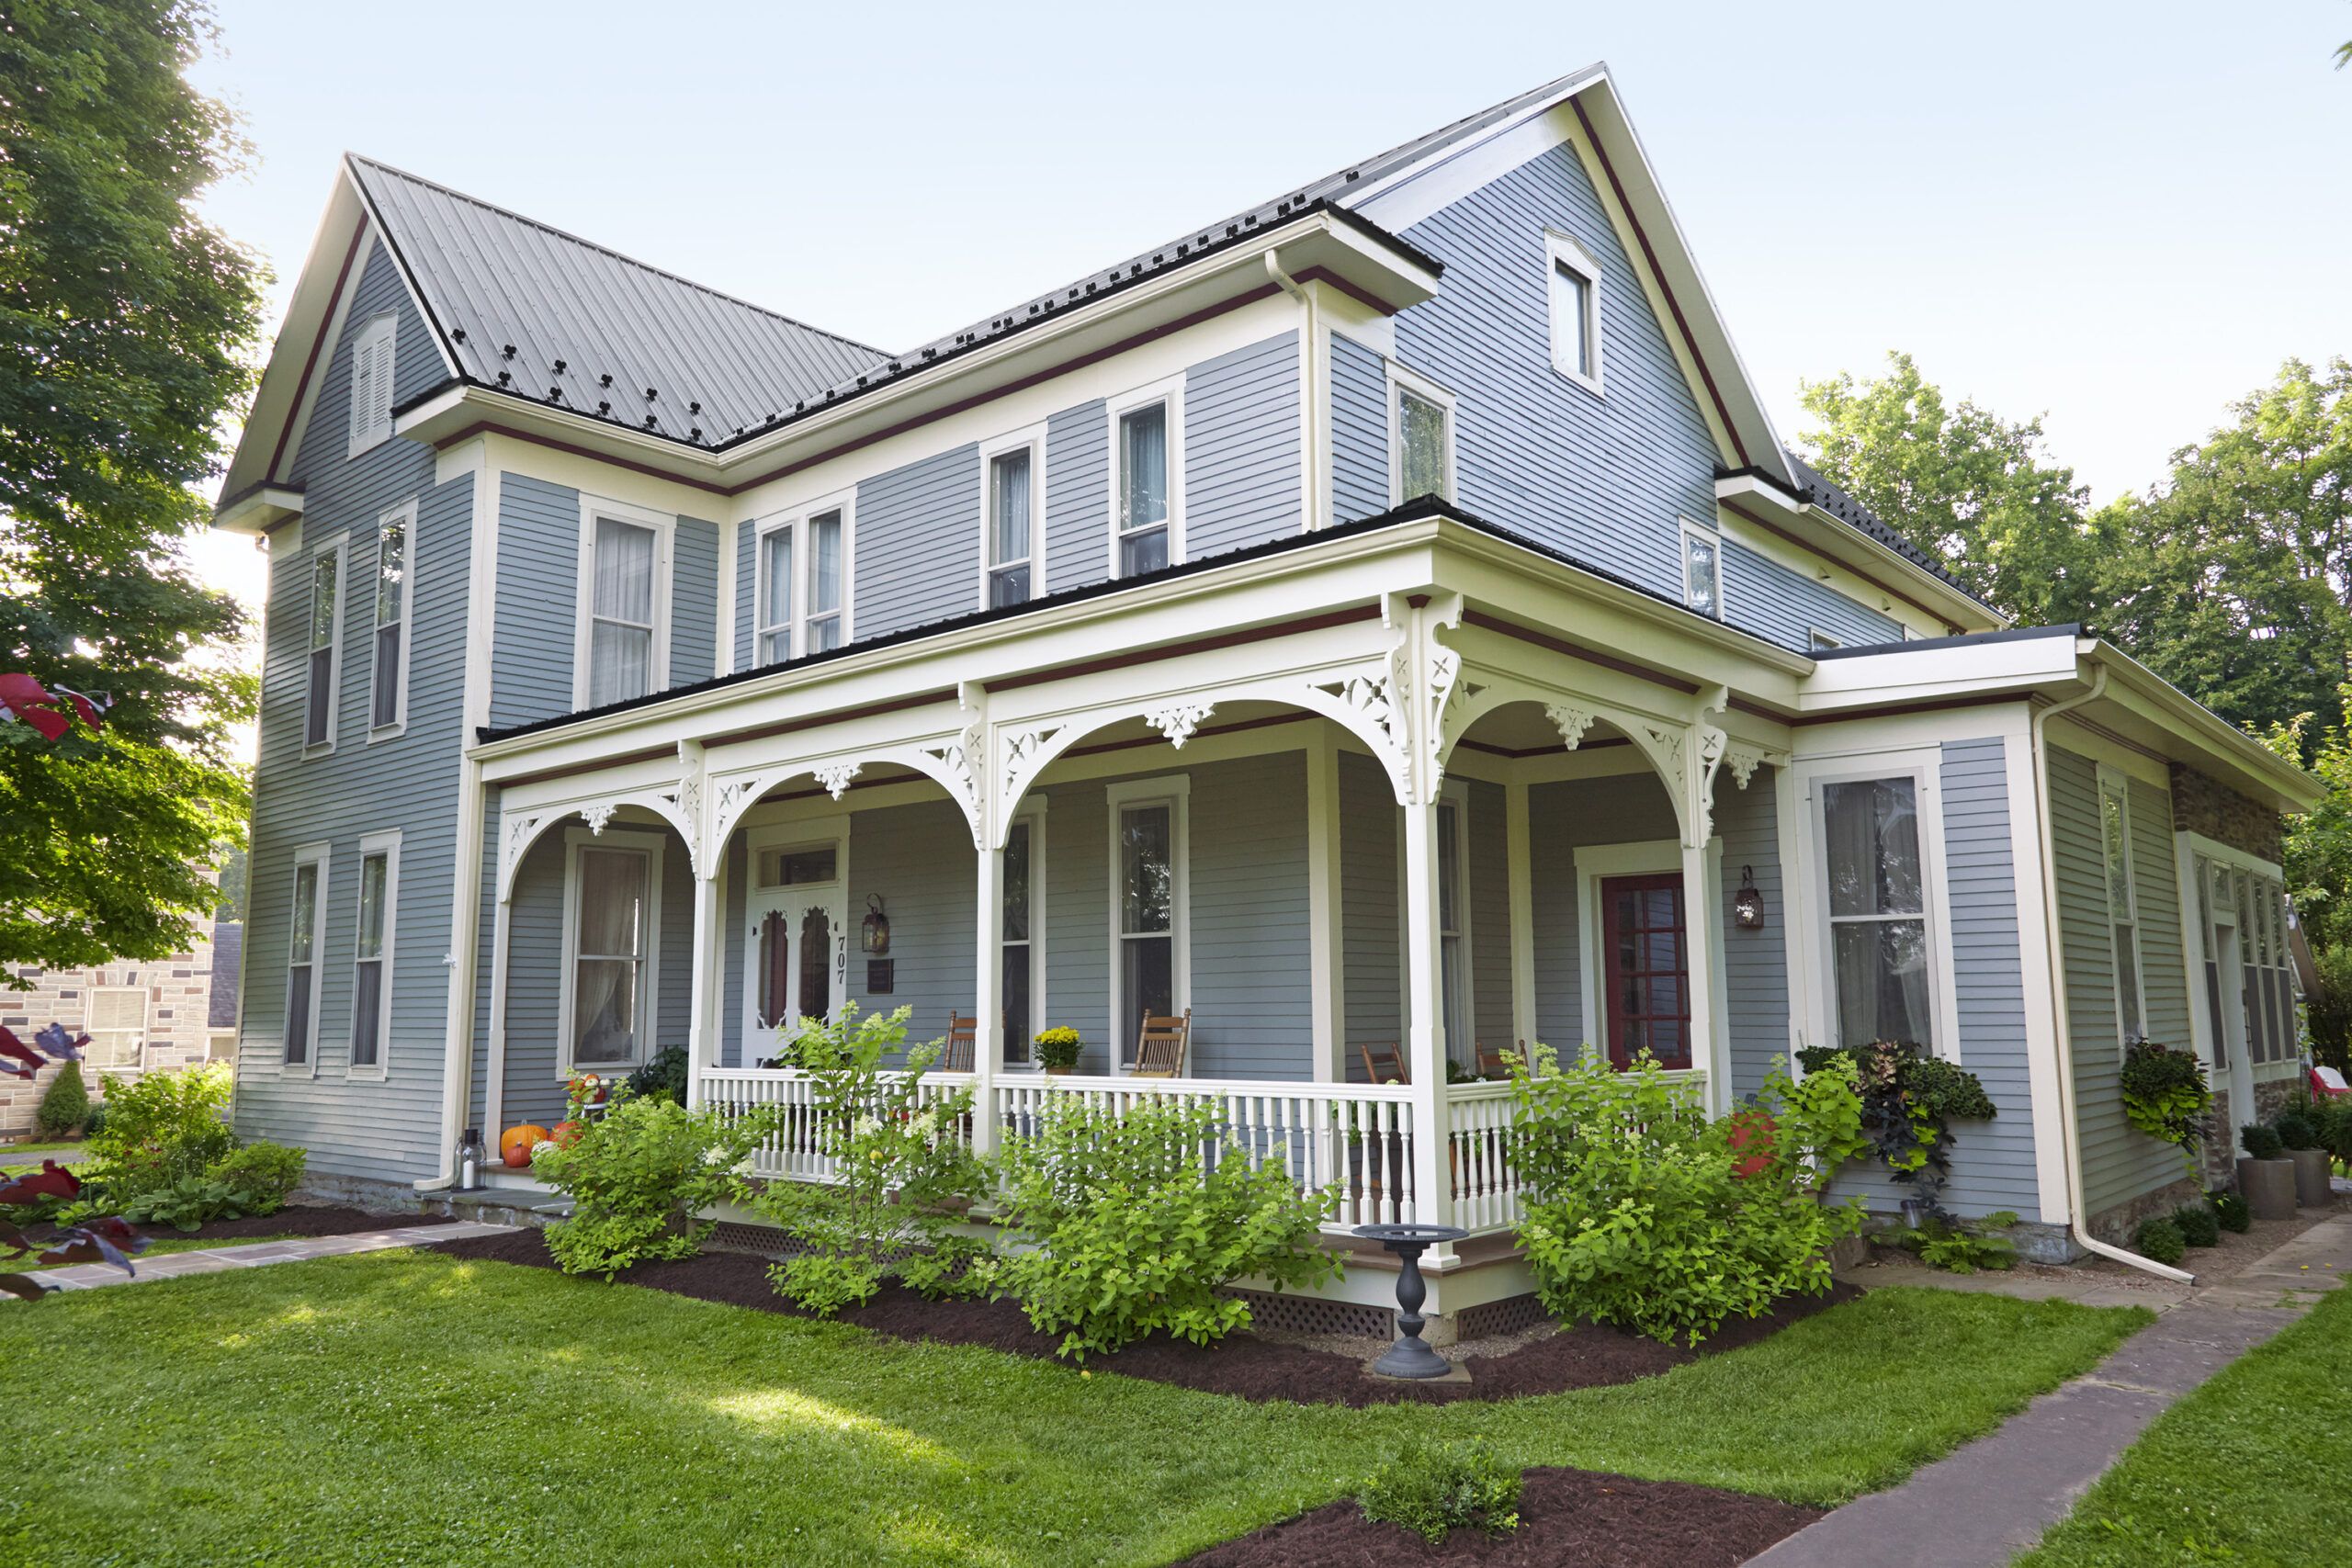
x=140 y=1016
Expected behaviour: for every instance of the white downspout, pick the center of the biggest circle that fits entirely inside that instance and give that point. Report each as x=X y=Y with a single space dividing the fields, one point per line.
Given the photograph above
x=1310 y=378
x=2070 y=1146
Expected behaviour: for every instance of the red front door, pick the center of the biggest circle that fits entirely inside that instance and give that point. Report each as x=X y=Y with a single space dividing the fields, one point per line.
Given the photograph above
x=1648 y=977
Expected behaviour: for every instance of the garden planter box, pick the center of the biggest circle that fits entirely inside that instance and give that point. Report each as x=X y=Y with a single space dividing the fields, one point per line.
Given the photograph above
x=2311 y=1177
x=2269 y=1187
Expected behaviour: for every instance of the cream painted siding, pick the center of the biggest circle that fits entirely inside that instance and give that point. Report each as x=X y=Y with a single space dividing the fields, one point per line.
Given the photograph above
x=1370 y=901
x=1242 y=462
x=2118 y=1161
x=693 y=603
x=1756 y=960
x=536 y=617
x=1359 y=430
x=1787 y=607
x=916 y=557
x=390 y=1127
x=1622 y=808
x=1078 y=496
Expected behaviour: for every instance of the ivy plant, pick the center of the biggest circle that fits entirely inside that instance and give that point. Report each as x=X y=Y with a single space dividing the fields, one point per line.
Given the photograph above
x=2165 y=1096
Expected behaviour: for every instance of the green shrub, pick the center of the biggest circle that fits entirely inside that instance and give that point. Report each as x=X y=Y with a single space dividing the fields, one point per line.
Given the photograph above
x=95 y=1122
x=2332 y=1119
x=1635 y=1215
x=160 y=1130
x=65 y=1105
x=262 y=1175
x=2295 y=1130
x=2159 y=1239
x=2198 y=1224
x=1059 y=1047
x=639 y=1178
x=186 y=1203
x=1432 y=1489
x=2164 y=1092
x=1910 y=1097
x=1962 y=1247
x=2260 y=1142
x=2231 y=1210
x=2327 y=1014
x=664 y=1074
x=901 y=1162
x=1135 y=1220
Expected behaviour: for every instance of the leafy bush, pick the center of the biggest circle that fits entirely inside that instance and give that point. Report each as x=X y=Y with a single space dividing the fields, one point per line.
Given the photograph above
x=901 y=1162
x=65 y=1105
x=2328 y=1015
x=2260 y=1142
x=639 y=1177
x=1432 y=1489
x=1910 y=1097
x=262 y=1175
x=1134 y=1221
x=2165 y=1095
x=2160 y=1239
x=2334 y=1120
x=1638 y=1213
x=95 y=1122
x=186 y=1203
x=2231 y=1208
x=160 y=1129
x=1059 y=1047
x=2199 y=1223
x=2295 y=1130
x=664 y=1074
x=1962 y=1247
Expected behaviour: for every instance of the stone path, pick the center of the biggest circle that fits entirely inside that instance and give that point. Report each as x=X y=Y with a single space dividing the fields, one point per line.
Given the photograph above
x=223 y=1260
x=1982 y=1506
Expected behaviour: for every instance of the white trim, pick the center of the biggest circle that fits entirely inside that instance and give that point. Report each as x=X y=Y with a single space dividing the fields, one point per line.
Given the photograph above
x=1566 y=251
x=649 y=1011
x=339 y=546
x=405 y=515
x=1033 y=438
x=1174 y=790
x=1923 y=766
x=2035 y=941
x=1033 y=812
x=138 y=1061
x=1819 y=641
x=1650 y=857
x=664 y=526
x=387 y=844
x=2115 y=782
x=1400 y=381
x=321 y=855
x=1714 y=542
x=829 y=830
x=1454 y=793
x=794 y=521
x=1168 y=390
x=375 y=354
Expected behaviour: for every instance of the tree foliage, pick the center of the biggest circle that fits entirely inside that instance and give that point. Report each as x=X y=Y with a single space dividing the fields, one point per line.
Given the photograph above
x=126 y=325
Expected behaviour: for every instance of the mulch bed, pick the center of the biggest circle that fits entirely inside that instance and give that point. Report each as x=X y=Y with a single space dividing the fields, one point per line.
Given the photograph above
x=1574 y=1518
x=295 y=1220
x=1242 y=1365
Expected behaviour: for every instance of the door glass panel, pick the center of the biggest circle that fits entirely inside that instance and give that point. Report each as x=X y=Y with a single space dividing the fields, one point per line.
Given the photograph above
x=1649 y=989
x=815 y=964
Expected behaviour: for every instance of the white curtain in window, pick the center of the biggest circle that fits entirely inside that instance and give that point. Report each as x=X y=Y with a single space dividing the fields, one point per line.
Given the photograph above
x=775 y=597
x=620 y=651
x=1877 y=910
x=611 y=923
x=1421 y=431
x=1143 y=467
x=825 y=563
x=1009 y=540
x=1702 y=572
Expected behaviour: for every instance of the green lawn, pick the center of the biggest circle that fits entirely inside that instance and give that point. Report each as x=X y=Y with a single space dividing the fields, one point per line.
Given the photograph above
x=404 y=1406
x=2249 y=1470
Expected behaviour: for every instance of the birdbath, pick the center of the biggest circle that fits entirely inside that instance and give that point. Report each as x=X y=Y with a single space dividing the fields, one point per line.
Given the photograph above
x=1410 y=1358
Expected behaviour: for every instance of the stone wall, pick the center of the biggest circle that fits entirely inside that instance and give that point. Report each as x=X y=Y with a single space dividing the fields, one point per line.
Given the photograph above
x=2200 y=804
x=2115 y=1225
x=179 y=991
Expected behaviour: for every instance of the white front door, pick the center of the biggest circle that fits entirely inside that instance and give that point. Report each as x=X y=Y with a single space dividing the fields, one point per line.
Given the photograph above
x=796 y=947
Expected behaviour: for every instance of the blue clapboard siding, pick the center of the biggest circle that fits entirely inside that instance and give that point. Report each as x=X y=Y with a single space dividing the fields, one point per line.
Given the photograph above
x=1359 y=430
x=1078 y=497
x=1769 y=599
x=1252 y=1013
x=916 y=554
x=732 y=943
x=1756 y=960
x=1602 y=478
x=919 y=859
x=693 y=602
x=1242 y=460
x=1076 y=923
x=1622 y=808
x=1369 y=905
x=409 y=782
x=746 y=581
x=1992 y=1162
x=1488 y=868
x=536 y=617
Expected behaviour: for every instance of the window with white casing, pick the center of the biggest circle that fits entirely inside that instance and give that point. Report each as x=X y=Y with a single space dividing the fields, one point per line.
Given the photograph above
x=623 y=647
x=1573 y=277
x=306 y=941
x=1703 y=571
x=394 y=585
x=371 y=973
x=821 y=624
x=1022 y=976
x=321 y=683
x=117 y=1028
x=612 y=923
x=1876 y=864
x=1149 y=905
x=1013 y=518
x=801 y=596
x=372 y=358
x=1820 y=641
x=2122 y=903
x=1421 y=445
x=1146 y=479
x=1453 y=923
x=2250 y=985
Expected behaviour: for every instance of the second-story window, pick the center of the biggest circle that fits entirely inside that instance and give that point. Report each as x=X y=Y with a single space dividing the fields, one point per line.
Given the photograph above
x=1011 y=525
x=620 y=629
x=325 y=636
x=801 y=599
x=775 y=596
x=388 y=706
x=824 y=625
x=1143 y=490
x=1421 y=418
x=1702 y=572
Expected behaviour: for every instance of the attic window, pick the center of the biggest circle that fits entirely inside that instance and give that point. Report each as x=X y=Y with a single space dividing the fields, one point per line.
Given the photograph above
x=371 y=384
x=1575 y=284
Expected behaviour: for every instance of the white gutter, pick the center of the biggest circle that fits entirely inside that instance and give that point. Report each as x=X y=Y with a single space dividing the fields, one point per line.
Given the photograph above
x=2070 y=1146
x=1311 y=423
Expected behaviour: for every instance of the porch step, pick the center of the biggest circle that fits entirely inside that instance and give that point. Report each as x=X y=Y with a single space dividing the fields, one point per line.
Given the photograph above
x=504 y=1205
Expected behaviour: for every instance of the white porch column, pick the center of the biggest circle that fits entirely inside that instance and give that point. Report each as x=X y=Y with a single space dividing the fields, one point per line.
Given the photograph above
x=1327 y=976
x=988 y=1034
x=1425 y=1030
x=702 y=1015
x=1700 y=921
x=493 y=1090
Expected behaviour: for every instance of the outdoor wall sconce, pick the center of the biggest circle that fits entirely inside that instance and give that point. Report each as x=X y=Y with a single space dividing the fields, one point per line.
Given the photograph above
x=876 y=930
x=1747 y=904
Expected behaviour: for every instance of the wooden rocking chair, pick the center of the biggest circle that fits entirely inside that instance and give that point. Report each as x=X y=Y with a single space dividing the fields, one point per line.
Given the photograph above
x=1490 y=1060
x=957 y=1057
x=1159 y=1048
x=1383 y=1063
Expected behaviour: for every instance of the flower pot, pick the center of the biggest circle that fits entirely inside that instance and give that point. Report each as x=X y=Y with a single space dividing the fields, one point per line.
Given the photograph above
x=1060 y=1072
x=2269 y=1187
x=2311 y=1177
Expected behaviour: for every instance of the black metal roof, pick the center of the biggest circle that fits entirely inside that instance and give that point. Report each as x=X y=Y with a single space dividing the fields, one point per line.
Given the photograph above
x=1821 y=492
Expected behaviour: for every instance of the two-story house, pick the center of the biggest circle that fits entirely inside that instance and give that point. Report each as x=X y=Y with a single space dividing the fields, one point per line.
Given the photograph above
x=1382 y=624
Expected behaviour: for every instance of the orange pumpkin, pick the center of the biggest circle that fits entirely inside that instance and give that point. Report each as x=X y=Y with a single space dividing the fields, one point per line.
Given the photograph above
x=515 y=1145
x=566 y=1133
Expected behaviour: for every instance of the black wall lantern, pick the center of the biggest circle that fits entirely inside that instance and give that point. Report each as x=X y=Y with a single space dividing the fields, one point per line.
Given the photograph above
x=878 y=925
x=1747 y=904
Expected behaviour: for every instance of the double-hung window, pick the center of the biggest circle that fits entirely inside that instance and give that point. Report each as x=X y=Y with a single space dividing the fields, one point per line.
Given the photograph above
x=1146 y=479
x=371 y=974
x=1881 y=968
x=2122 y=903
x=1149 y=904
x=775 y=596
x=371 y=383
x=1421 y=447
x=611 y=932
x=1702 y=571
x=1574 y=277
x=306 y=939
x=320 y=684
x=395 y=595
x=117 y=1026
x=625 y=581
x=1012 y=524
x=801 y=596
x=823 y=630
x=1020 y=937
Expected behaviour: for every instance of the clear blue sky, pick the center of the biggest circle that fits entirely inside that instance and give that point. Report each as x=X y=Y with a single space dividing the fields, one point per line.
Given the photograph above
x=2121 y=216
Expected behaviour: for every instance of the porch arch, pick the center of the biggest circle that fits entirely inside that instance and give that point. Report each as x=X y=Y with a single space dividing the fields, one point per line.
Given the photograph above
x=518 y=830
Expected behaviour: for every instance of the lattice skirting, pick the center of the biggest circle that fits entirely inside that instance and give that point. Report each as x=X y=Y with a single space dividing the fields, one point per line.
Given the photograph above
x=1316 y=1315
x=761 y=1241
x=1512 y=1315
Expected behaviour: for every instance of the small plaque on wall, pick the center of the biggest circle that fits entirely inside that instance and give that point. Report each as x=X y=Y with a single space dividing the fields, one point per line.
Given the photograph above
x=881 y=976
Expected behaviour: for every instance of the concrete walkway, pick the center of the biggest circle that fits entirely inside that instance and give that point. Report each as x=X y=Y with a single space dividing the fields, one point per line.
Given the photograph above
x=1982 y=1506
x=225 y=1259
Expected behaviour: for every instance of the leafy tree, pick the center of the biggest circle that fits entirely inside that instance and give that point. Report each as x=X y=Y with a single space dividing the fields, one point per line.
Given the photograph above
x=1974 y=490
x=124 y=329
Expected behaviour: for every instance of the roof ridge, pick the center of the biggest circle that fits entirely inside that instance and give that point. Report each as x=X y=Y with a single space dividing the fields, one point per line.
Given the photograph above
x=621 y=256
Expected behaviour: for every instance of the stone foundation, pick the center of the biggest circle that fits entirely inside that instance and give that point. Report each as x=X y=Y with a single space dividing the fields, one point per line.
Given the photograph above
x=2270 y=1099
x=2115 y=1225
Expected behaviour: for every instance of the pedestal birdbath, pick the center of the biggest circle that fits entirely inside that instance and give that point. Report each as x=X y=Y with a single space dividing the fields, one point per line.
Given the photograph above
x=1410 y=1358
